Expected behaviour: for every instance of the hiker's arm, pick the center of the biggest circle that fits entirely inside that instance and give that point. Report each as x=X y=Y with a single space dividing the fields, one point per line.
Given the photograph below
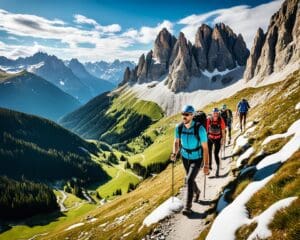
x=223 y=127
x=176 y=146
x=205 y=154
x=205 y=158
x=237 y=110
x=223 y=136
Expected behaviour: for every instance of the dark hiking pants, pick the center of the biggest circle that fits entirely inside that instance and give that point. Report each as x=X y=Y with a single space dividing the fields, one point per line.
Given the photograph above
x=243 y=118
x=191 y=168
x=229 y=124
x=217 y=144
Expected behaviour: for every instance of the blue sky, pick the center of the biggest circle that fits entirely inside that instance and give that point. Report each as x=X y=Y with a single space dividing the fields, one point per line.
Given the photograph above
x=105 y=30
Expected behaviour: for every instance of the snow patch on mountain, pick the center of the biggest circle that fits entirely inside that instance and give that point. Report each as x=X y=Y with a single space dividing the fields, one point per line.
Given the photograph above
x=287 y=150
x=263 y=220
x=246 y=155
x=167 y=208
x=32 y=68
x=235 y=214
x=216 y=72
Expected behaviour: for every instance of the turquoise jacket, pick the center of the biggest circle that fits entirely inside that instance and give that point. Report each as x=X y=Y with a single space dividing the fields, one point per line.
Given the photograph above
x=189 y=141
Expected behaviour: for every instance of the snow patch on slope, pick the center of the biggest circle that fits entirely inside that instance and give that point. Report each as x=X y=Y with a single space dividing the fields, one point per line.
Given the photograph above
x=287 y=150
x=241 y=141
x=235 y=214
x=264 y=219
x=167 y=208
x=297 y=107
x=246 y=155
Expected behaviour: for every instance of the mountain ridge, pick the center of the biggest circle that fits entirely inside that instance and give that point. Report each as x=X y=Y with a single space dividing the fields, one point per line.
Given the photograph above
x=179 y=60
x=54 y=70
x=27 y=92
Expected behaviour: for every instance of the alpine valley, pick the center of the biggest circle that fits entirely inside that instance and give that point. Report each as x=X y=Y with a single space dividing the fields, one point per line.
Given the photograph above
x=85 y=146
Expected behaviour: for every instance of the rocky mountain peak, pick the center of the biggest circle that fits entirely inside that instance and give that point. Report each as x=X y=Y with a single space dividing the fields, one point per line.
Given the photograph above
x=183 y=67
x=279 y=46
x=178 y=60
x=255 y=53
x=163 y=45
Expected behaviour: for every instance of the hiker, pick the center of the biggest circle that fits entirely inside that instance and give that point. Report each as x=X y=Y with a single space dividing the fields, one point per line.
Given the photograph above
x=191 y=143
x=242 y=110
x=216 y=135
x=226 y=114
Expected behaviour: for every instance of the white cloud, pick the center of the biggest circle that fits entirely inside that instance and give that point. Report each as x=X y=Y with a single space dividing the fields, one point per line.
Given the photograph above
x=80 y=19
x=14 y=51
x=148 y=34
x=84 y=20
x=242 y=19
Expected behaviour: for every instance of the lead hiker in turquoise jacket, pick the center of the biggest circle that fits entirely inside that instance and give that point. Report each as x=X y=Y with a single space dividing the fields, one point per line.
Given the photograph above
x=191 y=142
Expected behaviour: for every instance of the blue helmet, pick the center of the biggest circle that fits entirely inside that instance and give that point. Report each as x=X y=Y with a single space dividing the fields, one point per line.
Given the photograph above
x=188 y=109
x=215 y=110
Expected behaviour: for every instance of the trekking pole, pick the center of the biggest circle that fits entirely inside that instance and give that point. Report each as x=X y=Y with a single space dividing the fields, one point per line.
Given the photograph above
x=172 y=181
x=204 y=187
x=224 y=151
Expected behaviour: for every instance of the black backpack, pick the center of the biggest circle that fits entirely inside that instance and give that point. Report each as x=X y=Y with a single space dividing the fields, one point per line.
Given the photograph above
x=224 y=115
x=200 y=117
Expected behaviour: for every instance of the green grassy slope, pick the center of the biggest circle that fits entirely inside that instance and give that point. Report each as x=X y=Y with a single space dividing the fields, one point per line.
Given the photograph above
x=112 y=118
x=39 y=149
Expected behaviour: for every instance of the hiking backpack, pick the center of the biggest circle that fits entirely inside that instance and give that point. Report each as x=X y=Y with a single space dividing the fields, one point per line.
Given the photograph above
x=224 y=115
x=214 y=128
x=200 y=117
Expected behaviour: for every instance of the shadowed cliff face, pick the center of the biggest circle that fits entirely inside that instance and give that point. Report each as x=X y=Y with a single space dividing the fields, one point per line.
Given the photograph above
x=279 y=46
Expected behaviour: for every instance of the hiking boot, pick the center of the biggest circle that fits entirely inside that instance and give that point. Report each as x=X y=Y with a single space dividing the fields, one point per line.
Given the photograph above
x=197 y=195
x=187 y=211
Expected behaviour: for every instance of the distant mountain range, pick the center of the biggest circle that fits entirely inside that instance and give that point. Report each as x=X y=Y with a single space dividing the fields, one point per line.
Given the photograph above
x=110 y=71
x=96 y=85
x=30 y=93
x=83 y=86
